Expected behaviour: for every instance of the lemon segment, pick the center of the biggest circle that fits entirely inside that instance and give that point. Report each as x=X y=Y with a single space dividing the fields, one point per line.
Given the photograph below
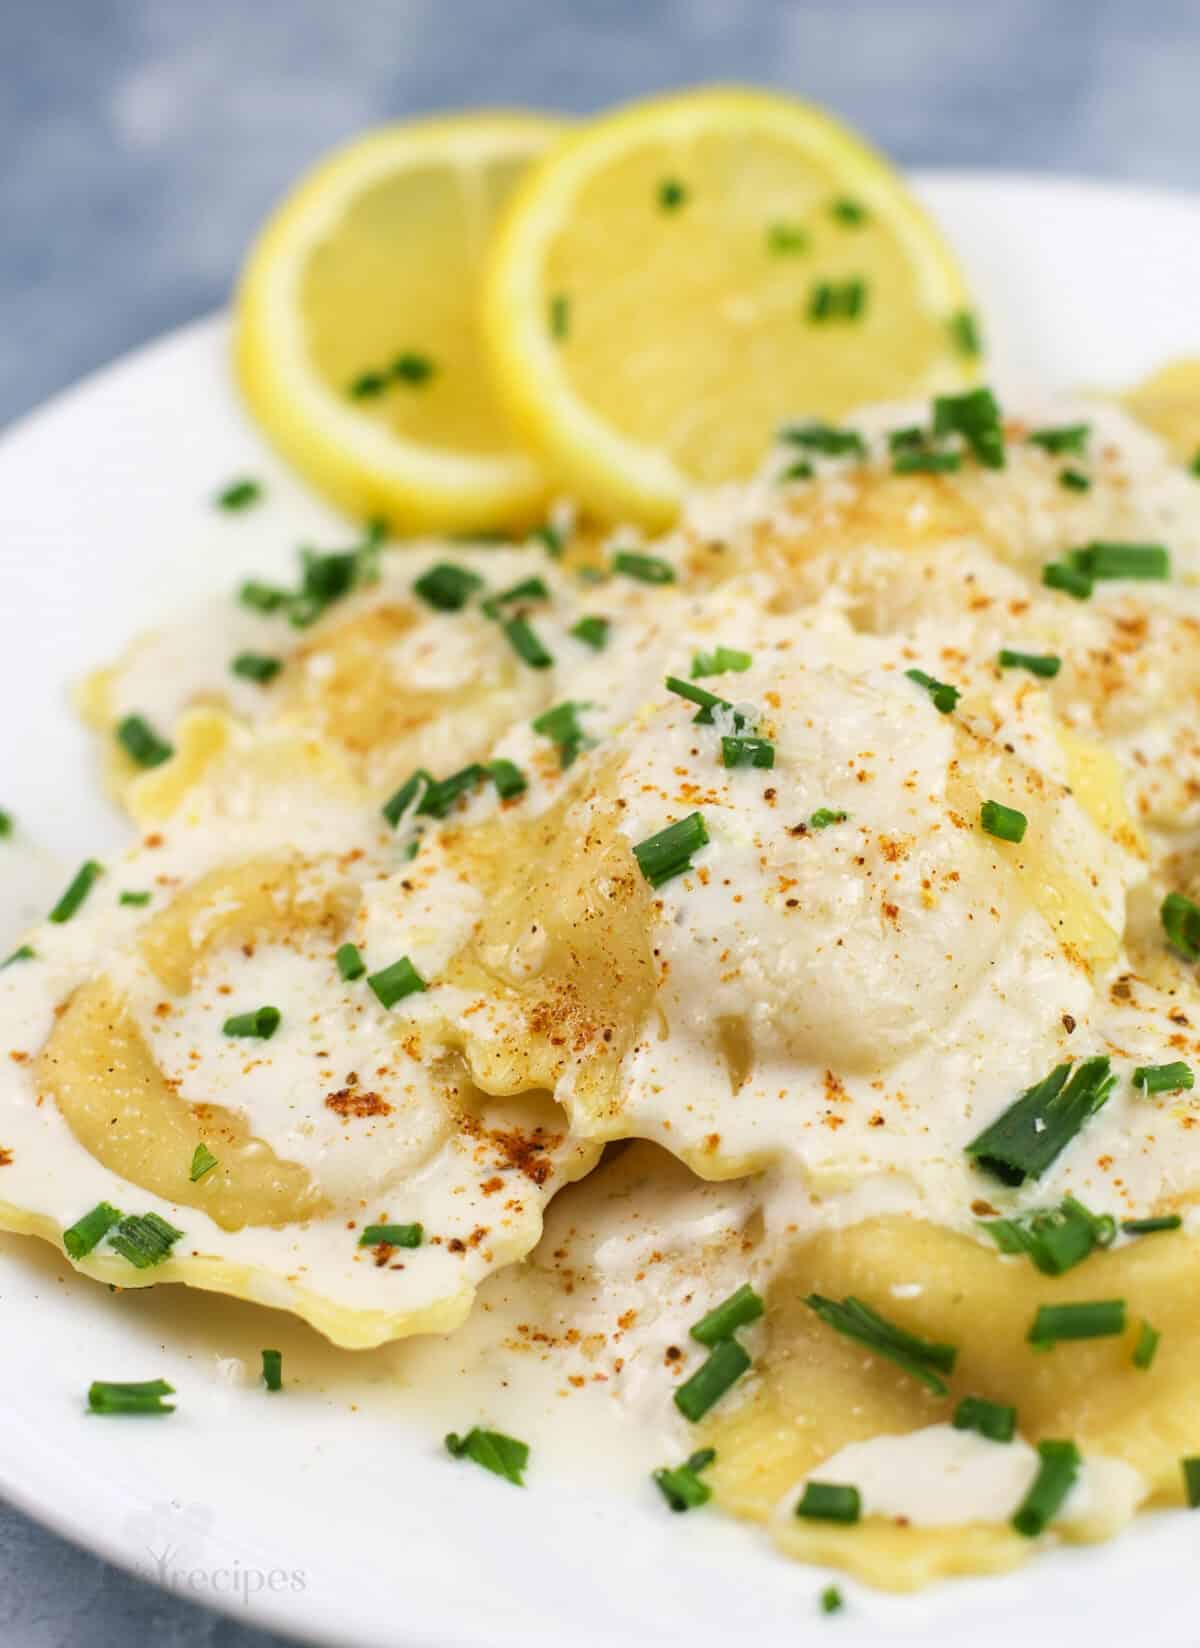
x=357 y=340
x=671 y=283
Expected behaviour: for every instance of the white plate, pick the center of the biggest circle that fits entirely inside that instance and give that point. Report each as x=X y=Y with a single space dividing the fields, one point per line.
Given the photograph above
x=105 y=523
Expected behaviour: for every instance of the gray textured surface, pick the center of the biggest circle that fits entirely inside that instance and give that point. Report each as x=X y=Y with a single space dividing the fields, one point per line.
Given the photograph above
x=143 y=140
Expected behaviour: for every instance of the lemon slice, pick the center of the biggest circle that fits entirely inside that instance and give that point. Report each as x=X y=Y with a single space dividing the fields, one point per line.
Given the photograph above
x=1168 y=401
x=357 y=338
x=671 y=283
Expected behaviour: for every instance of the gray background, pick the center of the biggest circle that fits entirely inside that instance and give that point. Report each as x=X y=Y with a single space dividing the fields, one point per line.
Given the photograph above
x=142 y=141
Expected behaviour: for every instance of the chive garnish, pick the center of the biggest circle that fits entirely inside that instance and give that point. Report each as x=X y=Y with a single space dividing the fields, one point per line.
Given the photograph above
x=921 y=1358
x=708 y=701
x=23 y=952
x=722 y=1322
x=203 y=1161
x=593 y=632
x=1068 y=438
x=560 y=316
x=976 y=417
x=106 y=1396
x=1191 y=1481
x=263 y=597
x=6 y=824
x=825 y=816
x=367 y=385
x=272 y=1369
x=671 y=194
x=1110 y=560
x=441 y=794
x=393 y=983
x=964 y=331
x=799 y=470
x=392 y=1236
x=667 y=854
x=925 y=461
x=681 y=1486
x=1045 y=664
x=508 y=778
x=1057 y=1473
x=832 y=1601
x=256 y=666
x=1089 y=1319
x=137 y=900
x=726 y=1364
x=720 y=661
x=647 y=569
x=398 y=804
x=1068 y=579
x=829 y=1502
x=1074 y=480
x=747 y=752
x=1164 y=1078
x=1181 y=923
x=825 y=439
x=991 y=1419
x=850 y=212
x=144 y=1239
x=411 y=368
x=552 y=540
x=944 y=696
x=1055 y=1238
x=561 y=726
x=1005 y=823
x=1023 y=1142
x=81 y=886
x=261 y=1023
x=1146 y=1348
x=837 y=300
x=350 y=963
x=239 y=495
x=1151 y=1227
x=447 y=587
x=141 y=743
x=523 y=639
x=80 y=1238
x=502 y=1455
x=786 y=239
x=529 y=589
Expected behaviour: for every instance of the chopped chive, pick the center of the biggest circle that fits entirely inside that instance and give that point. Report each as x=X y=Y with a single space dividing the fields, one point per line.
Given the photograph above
x=975 y=416
x=681 y=1486
x=1181 y=923
x=647 y=569
x=1074 y=480
x=6 y=824
x=508 y=778
x=1057 y=1473
x=829 y=1502
x=850 y=212
x=1194 y=466
x=81 y=886
x=1099 y=560
x=944 y=696
x=23 y=952
x=1151 y=1227
x=411 y=368
x=965 y=335
x=1055 y=1238
x=552 y=540
x=523 y=639
x=1031 y=1134
x=799 y=470
x=239 y=495
x=671 y=194
x=144 y=1239
x=263 y=597
x=398 y=804
x=1058 y=575
x=256 y=666
x=991 y=1419
x=720 y=661
x=392 y=984
x=708 y=701
x=911 y=437
x=1146 y=1348
x=138 y=901
x=837 y=300
x=261 y=1023
x=392 y=1236
x=1164 y=1078
x=925 y=461
x=1091 y=1319
x=786 y=239
x=1005 y=823
x=747 y=752
x=667 y=854
x=441 y=794
x=561 y=726
x=593 y=632
x=832 y=1601
x=367 y=385
x=502 y=1455
x=1068 y=438
x=350 y=963
x=447 y=587
x=106 y=1396
x=722 y=1322
x=825 y=816
x=727 y=1362
x=203 y=1161
x=1045 y=664
x=80 y=1238
x=923 y=1359
x=560 y=316
x=529 y=589
x=825 y=439
x=141 y=743
x=272 y=1369
x=1191 y=1481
